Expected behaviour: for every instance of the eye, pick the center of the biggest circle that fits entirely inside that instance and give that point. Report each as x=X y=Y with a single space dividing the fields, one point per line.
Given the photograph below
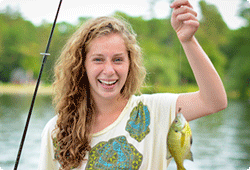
x=176 y=121
x=118 y=60
x=97 y=59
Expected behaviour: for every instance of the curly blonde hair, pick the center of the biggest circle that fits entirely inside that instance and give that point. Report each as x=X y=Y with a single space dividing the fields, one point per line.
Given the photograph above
x=74 y=104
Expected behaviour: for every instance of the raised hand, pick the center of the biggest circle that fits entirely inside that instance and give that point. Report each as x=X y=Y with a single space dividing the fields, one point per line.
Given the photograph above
x=184 y=20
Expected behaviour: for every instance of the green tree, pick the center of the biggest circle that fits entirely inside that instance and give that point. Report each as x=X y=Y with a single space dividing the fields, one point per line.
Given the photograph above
x=61 y=34
x=245 y=10
x=10 y=56
x=17 y=43
x=213 y=34
x=238 y=74
x=158 y=42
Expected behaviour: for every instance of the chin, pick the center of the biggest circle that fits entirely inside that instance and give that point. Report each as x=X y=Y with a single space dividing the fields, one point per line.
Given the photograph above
x=112 y=96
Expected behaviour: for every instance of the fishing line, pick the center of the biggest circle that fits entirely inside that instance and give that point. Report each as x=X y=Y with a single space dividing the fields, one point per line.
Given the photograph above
x=45 y=54
x=180 y=60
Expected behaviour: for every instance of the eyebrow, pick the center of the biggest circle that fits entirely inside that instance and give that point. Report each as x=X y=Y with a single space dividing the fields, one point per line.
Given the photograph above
x=101 y=55
x=96 y=55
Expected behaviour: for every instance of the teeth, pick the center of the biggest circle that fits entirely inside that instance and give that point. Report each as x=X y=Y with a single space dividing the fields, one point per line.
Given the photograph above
x=108 y=82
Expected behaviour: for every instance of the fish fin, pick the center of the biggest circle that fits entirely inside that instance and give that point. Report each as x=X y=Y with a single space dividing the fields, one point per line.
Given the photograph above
x=180 y=168
x=191 y=140
x=182 y=138
x=169 y=156
x=189 y=156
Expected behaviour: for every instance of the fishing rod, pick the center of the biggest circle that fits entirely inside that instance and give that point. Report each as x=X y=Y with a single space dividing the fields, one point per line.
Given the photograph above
x=45 y=54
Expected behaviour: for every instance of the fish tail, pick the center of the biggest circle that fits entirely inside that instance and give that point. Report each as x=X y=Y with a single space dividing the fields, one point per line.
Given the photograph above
x=181 y=168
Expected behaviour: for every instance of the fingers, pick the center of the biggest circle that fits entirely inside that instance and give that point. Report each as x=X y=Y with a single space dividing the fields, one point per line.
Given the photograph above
x=183 y=10
x=179 y=3
x=186 y=16
x=194 y=24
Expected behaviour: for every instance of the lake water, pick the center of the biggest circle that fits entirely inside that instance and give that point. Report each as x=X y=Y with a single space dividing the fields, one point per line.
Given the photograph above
x=220 y=141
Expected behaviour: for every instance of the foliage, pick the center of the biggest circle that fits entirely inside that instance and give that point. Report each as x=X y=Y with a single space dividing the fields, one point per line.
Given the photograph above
x=245 y=10
x=213 y=34
x=237 y=51
x=21 y=42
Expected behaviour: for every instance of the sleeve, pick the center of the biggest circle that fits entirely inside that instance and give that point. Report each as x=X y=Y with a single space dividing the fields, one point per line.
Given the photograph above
x=163 y=107
x=46 y=161
x=166 y=116
x=171 y=119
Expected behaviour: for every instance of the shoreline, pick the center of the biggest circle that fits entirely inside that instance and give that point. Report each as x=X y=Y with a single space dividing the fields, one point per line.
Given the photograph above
x=27 y=89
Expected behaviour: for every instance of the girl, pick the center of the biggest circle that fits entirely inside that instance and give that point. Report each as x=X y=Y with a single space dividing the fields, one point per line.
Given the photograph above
x=100 y=123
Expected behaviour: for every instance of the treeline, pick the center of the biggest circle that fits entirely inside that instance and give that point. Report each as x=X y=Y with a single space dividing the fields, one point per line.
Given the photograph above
x=21 y=42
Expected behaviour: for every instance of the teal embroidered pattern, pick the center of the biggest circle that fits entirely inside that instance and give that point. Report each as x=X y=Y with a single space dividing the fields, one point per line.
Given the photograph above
x=56 y=148
x=117 y=153
x=138 y=124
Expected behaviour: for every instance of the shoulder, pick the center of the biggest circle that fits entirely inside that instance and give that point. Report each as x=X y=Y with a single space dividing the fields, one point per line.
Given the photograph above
x=157 y=98
x=159 y=103
x=50 y=126
x=47 y=161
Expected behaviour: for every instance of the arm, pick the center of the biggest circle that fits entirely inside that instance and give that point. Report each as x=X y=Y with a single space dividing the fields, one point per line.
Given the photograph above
x=211 y=96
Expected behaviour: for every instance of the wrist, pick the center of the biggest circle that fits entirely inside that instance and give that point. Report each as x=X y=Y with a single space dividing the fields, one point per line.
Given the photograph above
x=189 y=41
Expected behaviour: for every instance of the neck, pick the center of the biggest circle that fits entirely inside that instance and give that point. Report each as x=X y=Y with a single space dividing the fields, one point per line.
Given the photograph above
x=106 y=107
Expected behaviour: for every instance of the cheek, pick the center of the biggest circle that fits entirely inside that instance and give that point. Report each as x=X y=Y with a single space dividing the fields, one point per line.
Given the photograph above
x=128 y=68
x=125 y=73
x=92 y=72
x=89 y=71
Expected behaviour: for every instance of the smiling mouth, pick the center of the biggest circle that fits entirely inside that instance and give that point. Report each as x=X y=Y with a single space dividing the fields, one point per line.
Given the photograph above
x=108 y=83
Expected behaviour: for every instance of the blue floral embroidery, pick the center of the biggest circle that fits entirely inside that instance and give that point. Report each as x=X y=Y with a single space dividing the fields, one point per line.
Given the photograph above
x=56 y=148
x=138 y=124
x=117 y=153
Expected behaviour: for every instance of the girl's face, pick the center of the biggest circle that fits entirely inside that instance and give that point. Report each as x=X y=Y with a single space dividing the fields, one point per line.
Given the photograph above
x=107 y=66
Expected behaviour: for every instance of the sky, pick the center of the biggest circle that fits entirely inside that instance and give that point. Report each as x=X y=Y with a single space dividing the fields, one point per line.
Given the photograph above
x=38 y=10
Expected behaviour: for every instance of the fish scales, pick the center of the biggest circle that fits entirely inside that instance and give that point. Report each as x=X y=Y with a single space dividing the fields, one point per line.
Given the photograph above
x=179 y=141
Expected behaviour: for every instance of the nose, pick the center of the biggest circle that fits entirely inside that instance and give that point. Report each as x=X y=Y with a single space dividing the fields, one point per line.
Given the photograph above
x=109 y=68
